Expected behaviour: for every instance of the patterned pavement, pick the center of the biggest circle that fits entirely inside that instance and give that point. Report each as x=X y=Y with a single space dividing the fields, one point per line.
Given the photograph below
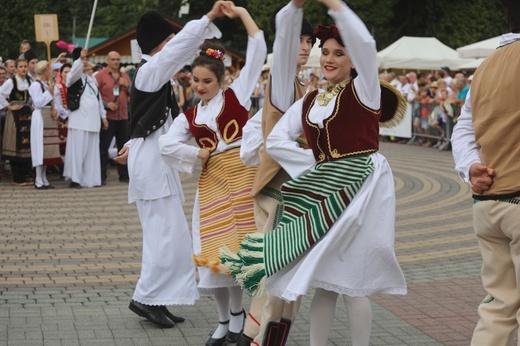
x=71 y=258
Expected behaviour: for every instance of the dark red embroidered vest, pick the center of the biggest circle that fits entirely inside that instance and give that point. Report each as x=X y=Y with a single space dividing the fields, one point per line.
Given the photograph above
x=230 y=122
x=352 y=129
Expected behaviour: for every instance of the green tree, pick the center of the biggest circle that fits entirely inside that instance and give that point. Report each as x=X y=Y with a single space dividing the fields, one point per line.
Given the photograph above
x=455 y=23
x=17 y=24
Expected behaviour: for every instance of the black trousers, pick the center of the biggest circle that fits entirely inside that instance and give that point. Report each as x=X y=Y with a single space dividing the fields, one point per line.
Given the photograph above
x=21 y=169
x=119 y=129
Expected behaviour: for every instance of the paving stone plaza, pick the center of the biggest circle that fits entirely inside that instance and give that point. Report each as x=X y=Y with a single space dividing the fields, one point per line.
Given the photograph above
x=71 y=258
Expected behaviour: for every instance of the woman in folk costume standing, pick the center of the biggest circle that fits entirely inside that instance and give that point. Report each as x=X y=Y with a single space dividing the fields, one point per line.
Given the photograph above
x=336 y=233
x=223 y=212
x=14 y=95
x=44 y=127
x=60 y=102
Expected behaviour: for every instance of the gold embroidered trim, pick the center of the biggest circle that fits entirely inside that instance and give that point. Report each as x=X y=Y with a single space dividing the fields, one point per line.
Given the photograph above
x=208 y=143
x=225 y=136
x=402 y=105
x=200 y=141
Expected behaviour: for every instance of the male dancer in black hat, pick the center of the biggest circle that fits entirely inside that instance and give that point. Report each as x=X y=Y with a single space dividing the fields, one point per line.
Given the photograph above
x=167 y=271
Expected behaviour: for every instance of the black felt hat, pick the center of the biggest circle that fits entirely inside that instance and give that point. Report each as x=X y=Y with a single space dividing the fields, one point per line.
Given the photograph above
x=30 y=55
x=306 y=29
x=76 y=53
x=152 y=29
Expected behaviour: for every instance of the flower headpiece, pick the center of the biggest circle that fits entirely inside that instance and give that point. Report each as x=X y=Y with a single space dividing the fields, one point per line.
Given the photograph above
x=214 y=53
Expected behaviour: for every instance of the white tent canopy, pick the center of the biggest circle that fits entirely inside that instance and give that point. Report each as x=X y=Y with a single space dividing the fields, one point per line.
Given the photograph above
x=479 y=49
x=419 y=53
x=472 y=64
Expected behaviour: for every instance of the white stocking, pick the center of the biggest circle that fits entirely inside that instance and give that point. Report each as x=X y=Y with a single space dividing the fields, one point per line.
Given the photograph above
x=222 y=299
x=323 y=307
x=38 y=181
x=44 y=175
x=236 y=323
x=359 y=318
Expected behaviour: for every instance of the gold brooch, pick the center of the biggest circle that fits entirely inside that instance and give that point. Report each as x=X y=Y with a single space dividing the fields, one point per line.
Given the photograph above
x=328 y=94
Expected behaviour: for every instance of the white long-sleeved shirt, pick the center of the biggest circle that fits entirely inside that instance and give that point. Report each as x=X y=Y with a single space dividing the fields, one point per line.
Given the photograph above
x=361 y=48
x=7 y=88
x=174 y=148
x=91 y=110
x=150 y=177
x=284 y=63
x=40 y=98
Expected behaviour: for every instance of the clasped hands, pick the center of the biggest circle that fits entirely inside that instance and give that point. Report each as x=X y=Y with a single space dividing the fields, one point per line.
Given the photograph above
x=481 y=177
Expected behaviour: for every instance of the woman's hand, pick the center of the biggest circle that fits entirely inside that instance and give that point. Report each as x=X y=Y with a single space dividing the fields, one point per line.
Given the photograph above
x=204 y=157
x=105 y=123
x=14 y=107
x=232 y=11
x=122 y=156
x=216 y=11
x=334 y=5
x=54 y=114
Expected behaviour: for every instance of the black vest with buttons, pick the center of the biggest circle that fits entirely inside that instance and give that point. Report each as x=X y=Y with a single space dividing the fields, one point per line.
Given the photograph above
x=150 y=110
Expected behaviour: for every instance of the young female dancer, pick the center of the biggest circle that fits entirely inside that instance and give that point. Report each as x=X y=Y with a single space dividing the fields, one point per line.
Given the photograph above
x=223 y=211
x=336 y=233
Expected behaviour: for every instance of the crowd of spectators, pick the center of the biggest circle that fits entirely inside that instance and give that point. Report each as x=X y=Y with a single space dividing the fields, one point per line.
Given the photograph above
x=434 y=98
x=105 y=127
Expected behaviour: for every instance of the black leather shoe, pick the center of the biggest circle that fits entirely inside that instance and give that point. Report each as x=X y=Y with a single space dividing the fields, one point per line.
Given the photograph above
x=74 y=185
x=153 y=314
x=172 y=317
x=232 y=337
x=49 y=187
x=219 y=341
x=244 y=340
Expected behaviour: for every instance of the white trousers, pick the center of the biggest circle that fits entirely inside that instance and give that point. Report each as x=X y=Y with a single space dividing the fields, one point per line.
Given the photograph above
x=167 y=271
x=82 y=162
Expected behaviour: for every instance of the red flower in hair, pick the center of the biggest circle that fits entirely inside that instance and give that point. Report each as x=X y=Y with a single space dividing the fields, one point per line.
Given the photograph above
x=325 y=32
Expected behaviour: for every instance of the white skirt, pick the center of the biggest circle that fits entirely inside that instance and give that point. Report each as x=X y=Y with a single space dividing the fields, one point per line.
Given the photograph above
x=356 y=257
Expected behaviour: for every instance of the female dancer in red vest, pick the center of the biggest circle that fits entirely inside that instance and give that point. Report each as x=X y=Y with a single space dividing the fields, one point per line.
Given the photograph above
x=336 y=232
x=223 y=211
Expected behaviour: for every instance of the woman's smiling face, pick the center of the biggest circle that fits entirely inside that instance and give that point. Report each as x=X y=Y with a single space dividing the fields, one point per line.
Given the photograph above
x=335 y=62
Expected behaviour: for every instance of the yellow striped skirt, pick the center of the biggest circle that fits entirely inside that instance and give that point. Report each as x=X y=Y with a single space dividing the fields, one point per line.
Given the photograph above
x=226 y=207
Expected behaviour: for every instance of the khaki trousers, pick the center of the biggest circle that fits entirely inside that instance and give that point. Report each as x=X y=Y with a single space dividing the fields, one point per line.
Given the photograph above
x=497 y=226
x=269 y=314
